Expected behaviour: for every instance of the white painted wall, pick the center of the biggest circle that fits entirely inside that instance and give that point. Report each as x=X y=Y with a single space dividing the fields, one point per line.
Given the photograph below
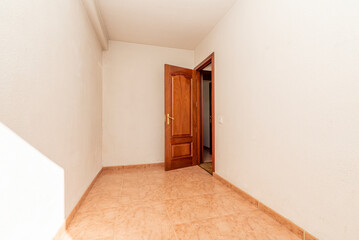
x=287 y=87
x=206 y=114
x=50 y=113
x=133 y=101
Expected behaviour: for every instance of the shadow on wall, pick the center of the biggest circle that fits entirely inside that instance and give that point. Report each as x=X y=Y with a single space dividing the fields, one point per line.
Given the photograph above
x=32 y=202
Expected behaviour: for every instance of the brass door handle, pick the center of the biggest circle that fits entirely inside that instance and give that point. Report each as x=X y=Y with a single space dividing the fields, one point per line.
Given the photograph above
x=168 y=118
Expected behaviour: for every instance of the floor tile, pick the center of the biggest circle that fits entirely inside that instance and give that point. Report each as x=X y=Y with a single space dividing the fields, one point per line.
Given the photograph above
x=163 y=234
x=143 y=193
x=240 y=226
x=148 y=203
x=143 y=220
x=212 y=186
x=192 y=209
x=260 y=225
x=93 y=225
x=98 y=202
x=208 y=229
x=206 y=206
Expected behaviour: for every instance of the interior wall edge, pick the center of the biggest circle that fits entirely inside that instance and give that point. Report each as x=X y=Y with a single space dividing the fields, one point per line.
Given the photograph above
x=97 y=22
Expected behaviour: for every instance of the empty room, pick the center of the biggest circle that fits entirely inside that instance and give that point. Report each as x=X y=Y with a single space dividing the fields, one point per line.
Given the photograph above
x=179 y=120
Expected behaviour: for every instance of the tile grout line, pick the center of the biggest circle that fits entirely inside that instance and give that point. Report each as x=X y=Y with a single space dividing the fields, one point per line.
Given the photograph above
x=213 y=217
x=208 y=218
x=169 y=218
x=196 y=220
x=183 y=198
x=173 y=229
x=118 y=200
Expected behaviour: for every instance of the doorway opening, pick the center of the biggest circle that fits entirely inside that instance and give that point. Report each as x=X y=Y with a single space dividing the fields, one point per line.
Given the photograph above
x=205 y=79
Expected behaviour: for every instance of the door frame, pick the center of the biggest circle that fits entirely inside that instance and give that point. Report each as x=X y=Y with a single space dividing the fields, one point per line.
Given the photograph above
x=207 y=61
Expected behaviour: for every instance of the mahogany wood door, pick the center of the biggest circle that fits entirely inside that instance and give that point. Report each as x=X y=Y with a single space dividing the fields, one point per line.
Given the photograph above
x=180 y=117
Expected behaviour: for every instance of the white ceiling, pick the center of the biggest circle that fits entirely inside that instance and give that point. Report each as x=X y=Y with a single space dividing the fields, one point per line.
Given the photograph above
x=167 y=23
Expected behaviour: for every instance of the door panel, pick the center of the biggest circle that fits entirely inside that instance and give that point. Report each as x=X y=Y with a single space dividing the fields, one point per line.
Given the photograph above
x=182 y=105
x=182 y=150
x=181 y=117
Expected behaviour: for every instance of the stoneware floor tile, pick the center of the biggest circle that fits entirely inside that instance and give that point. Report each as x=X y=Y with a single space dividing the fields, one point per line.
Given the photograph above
x=148 y=203
x=144 y=193
x=108 y=184
x=213 y=186
x=93 y=225
x=165 y=233
x=99 y=202
x=67 y=236
x=110 y=174
x=137 y=217
x=208 y=229
x=192 y=209
x=232 y=202
x=261 y=225
x=134 y=182
x=164 y=179
x=183 y=190
x=115 y=192
x=206 y=206
x=231 y=227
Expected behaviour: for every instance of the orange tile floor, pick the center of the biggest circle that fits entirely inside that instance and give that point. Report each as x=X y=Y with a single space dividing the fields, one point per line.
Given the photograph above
x=185 y=204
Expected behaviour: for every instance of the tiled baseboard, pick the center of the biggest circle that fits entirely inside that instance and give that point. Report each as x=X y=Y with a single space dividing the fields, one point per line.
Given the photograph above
x=69 y=218
x=149 y=165
x=76 y=208
x=302 y=234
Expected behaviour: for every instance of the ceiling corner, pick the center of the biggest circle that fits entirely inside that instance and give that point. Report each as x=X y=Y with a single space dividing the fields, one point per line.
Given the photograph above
x=97 y=22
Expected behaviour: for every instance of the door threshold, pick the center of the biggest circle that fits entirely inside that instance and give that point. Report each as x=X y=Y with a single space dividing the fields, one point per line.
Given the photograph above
x=207 y=167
